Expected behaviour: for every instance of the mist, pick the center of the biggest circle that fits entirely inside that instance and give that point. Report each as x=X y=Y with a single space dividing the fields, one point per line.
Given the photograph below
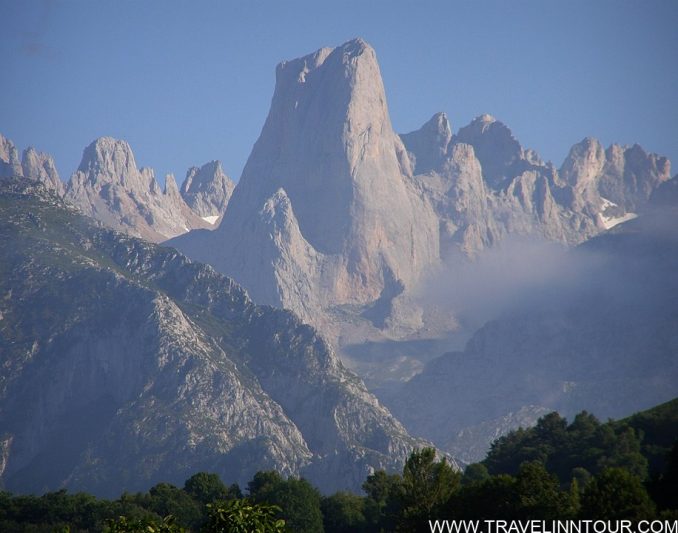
x=517 y=274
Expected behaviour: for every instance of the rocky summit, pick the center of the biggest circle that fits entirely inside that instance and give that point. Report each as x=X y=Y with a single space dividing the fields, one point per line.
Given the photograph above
x=207 y=191
x=33 y=165
x=125 y=364
x=349 y=219
x=108 y=186
x=341 y=220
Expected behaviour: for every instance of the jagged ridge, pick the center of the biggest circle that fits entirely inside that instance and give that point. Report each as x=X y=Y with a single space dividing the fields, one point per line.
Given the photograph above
x=126 y=364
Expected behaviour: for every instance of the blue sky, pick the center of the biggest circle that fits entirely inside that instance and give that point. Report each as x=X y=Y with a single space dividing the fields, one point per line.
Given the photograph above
x=187 y=82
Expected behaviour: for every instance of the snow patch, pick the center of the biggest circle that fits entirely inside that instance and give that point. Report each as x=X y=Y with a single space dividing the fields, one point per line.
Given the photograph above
x=610 y=222
x=211 y=219
x=607 y=203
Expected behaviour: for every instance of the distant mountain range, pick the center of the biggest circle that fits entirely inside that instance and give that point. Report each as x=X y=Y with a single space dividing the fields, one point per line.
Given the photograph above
x=346 y=223
x=109 y=187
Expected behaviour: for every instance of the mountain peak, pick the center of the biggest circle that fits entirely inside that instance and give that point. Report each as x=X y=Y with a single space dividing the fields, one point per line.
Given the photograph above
x=207 y=190
x=583 y=163
x=428 y=146
x=110 y=156
x=328 y=109
x=439 y=124
x=500 y=154
x=109 y=187
x=356 y=47
x=10 y=165
x=171 y=188
x=40 y=166
x=278 y=208
x=329 y=144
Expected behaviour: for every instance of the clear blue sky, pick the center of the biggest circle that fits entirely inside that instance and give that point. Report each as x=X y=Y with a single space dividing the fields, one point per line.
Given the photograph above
x=187 y=82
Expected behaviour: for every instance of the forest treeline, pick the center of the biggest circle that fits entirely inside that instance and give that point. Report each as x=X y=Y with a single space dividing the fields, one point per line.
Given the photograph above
x=556 y=470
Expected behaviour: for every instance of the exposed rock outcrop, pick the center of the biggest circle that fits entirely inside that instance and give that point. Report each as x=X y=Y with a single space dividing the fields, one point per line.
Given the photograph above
x=34 y=165
x=109 y=187
x=500 y=154
x=40 y=167
x=484 y=185
x=10 y=164
x=368 y=213
x=207 y=191
x=427 y=147
x=329 y=145
x=125 y=364
x=631 y=174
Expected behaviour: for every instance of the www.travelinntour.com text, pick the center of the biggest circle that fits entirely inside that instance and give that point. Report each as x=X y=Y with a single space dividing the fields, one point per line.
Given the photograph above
x=553 y=526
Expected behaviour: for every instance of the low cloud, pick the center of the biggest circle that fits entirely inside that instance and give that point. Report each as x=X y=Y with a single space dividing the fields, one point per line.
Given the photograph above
x=514 y=275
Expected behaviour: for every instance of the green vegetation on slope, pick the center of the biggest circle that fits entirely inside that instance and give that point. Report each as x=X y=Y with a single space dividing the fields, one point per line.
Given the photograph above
x=582 y=470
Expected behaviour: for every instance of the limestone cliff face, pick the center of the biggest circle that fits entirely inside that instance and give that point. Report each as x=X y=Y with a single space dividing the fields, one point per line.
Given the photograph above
x=581 y=170
x=10 y=164
x=361 y=213
x=612 y=185
x=484 y=185
x=40 y=166
x=109 y=187
x=428 y=146
x=34 y=165
x=207 y=190
x=329 y=145
x=631 y=174
x=125 y=364
x=461 y=199
x=499 y=152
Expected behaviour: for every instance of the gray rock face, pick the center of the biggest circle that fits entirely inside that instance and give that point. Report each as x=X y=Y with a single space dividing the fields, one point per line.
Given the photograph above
x=10 y=164
x=428 y=146
x=33 y=165
x=461 y=200
x=612 y=185
x=329 y=146
x=631 y=174
x=515 y=192
x=125 y=364
x=484 y=186
x=363 y=214
x=40 y=167
x=607 y=343
x=207 y=190
x=108 y=187
x=581 y=170
x=498 y=151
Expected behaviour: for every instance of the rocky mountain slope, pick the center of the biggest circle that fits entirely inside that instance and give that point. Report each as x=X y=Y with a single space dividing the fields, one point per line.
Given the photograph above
x=33 y=165
x=326 y=211
x=109 y=187
x=484 y=185
x=124 y=364
x=605 y=340
x=341 y=220
x=207 y=191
